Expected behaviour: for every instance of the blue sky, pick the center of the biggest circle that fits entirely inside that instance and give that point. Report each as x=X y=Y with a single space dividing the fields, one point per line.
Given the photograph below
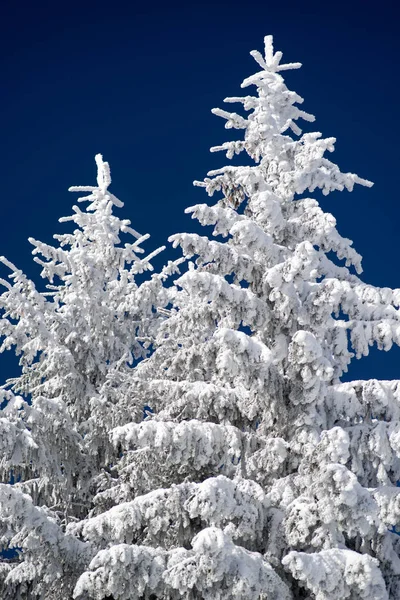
x=137 y=81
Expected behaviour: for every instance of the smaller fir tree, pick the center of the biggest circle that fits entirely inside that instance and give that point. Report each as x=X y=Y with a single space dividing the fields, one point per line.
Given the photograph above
x=78 y=341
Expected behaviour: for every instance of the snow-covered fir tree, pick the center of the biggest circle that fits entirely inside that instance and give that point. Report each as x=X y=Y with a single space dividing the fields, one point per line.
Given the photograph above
x=255 y=474
x=259 y=475
x=79 y=341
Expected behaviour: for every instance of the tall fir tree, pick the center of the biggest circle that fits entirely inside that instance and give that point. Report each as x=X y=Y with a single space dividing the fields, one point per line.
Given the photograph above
x=259 y=475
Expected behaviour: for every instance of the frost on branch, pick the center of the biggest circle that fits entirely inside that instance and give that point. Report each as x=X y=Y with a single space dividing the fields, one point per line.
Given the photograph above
x=51 y=559
x=170 y=516
x=214 y=569
x=338 y=574
x=161 y=450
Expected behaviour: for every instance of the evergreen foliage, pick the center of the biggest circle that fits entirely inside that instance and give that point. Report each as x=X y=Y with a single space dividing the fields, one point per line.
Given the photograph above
x=254 y=472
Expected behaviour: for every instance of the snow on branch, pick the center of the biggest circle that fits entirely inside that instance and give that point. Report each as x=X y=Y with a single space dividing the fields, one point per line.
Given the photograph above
x=338 y=574
x=214 y=568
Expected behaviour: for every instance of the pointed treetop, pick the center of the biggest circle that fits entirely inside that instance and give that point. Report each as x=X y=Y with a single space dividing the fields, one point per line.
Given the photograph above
x=271 y=61
x=101 y=191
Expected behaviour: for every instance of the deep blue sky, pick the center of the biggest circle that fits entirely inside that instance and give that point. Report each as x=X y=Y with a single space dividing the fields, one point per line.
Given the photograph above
x=136 y=82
